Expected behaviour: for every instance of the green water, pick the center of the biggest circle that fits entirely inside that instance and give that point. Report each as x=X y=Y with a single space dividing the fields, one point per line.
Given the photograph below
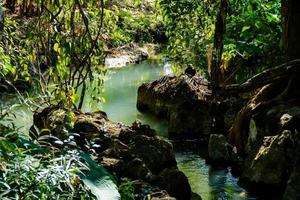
x=121 y=94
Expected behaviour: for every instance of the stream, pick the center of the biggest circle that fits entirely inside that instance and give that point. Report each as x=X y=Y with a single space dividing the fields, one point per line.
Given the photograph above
x=121 y=94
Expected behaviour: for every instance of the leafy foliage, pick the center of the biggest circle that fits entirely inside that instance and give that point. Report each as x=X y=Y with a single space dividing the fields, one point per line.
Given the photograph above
x=34 y=171
x=63 y=44
x=253 y=30
x=126 y=189
x=14 y=58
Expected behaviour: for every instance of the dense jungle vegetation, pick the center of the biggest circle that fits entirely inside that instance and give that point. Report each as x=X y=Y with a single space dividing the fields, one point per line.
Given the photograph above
x=53 y=52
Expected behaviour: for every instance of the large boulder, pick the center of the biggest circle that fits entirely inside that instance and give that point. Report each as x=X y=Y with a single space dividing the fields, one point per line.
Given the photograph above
x=292 y=191
x=269 y=164
x=182 y=100
x=171 y=179
x=272 y=121
x=186 y=101
x=218 y=150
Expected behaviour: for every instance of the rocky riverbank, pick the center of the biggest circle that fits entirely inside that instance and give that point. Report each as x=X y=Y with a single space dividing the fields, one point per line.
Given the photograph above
x=186 y=102
x=267 y=159
x=129 y=54
x=134 y=152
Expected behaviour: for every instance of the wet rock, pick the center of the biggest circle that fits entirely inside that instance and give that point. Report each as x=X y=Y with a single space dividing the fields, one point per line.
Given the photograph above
x=143 y=190
x=269 y=164
x=155 y=151
x=186 y=102
x=218 y=150
x=176 y=183
x=182 y=101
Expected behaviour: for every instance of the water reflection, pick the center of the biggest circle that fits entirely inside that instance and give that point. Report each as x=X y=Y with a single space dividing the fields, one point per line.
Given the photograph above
x=217 y=181
x=209 y=183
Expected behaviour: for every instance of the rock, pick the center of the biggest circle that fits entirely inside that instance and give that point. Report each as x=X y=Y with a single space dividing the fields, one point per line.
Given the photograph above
x=218 y=149
x=292 y=191
x=186 y=102
x=270 y=148
x=190 y=71
x=53 y=120
x=269 y=164
x=155 y=151
x=143 y=128
x=143 y=190
x=275 y=120
x=184 y=120
x=182 y=101
x=122 y=56
x=134 y=152
x=172 y=179
x=137 y=169
x=236 y=162
x=252 y=136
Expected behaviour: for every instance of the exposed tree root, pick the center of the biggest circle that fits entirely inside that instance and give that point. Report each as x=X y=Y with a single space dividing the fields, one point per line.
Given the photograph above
x=266 y=77
x=279 y=86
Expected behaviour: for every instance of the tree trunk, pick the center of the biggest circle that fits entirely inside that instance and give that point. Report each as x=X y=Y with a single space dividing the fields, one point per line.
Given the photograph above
x=291 y=27
x=217 y=51
x=2 y=18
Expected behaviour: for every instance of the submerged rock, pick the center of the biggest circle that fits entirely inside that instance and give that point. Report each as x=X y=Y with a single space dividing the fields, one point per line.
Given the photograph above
x=134 y=152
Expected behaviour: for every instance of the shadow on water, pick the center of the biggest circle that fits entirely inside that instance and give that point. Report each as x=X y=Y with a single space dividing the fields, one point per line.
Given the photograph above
x=208 y=182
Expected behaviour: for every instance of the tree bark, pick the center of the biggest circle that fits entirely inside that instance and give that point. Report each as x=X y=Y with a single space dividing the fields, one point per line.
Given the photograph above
x=291 y=27
x=217 y=51
x=2 y=18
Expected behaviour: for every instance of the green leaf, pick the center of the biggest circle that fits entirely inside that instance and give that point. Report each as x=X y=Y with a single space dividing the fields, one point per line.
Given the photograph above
x=56 y=47
x=99 y=181
x=245 y=28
